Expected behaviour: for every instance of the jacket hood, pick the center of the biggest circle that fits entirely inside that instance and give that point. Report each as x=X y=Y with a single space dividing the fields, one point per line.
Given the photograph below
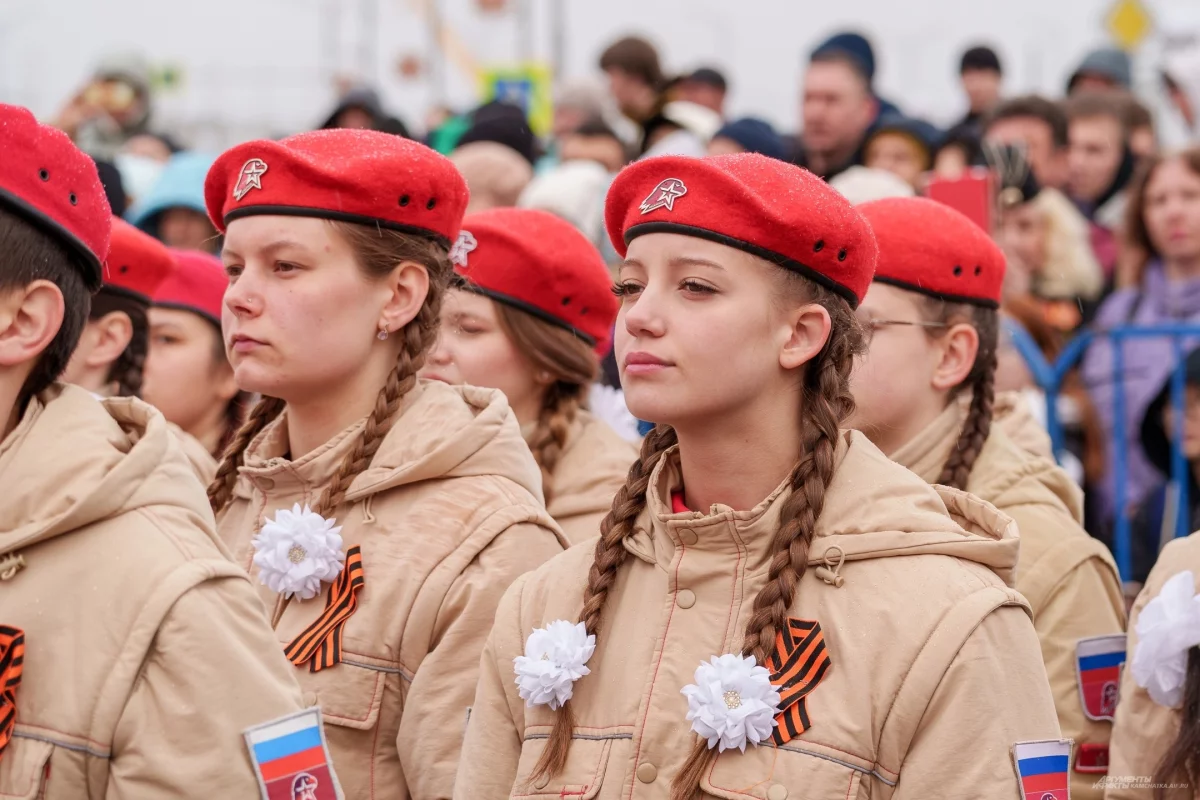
x=441 y=432
x=1005 y=473
x=180 y=185
x=74 y=460
x=874 y=508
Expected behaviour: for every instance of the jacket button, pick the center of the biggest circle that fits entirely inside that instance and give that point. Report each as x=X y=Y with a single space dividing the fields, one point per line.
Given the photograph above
x=647 y=772
x=542 y=782
x=688 y=536
x=777 y=792
x=686 y=598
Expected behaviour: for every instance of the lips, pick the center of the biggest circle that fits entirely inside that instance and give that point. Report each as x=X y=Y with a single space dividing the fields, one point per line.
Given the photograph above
x=240 y=343
x=640 y=363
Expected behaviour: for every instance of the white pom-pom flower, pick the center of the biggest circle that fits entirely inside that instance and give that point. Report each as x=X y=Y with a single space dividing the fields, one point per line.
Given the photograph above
x=297 y=551
x=1167 y=628
x=554 y=659
x=732 y=702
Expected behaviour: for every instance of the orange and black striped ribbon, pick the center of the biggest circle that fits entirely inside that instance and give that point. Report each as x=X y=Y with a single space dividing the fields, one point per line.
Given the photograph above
x=12 y=663
x=320 y=644
x=798 y=663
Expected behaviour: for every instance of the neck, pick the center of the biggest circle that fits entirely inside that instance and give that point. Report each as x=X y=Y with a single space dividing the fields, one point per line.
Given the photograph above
x=1182 y=269
x=315 y=419
x=824 y=163
x=209 y=430
x=738 y=462
x=891 y=440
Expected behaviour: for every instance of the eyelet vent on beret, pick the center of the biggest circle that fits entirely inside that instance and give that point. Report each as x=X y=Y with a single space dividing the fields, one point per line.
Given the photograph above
x=123 y=269
x=74 y=200
x=842 y=254
x=44 y=174
x=404 y=200
x=978 y=270
x=432 y=202
x=566 y=301
x=819 y=246
x=957 y=271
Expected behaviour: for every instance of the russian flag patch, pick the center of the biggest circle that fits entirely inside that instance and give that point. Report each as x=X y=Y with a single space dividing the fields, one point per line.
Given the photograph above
x=1098 y=664
x=1042 y=769
x=292 y=759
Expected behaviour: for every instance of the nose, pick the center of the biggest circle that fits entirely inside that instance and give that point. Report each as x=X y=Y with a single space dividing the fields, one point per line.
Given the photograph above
x=243 y=298
x=439 y=354
x=643 y=317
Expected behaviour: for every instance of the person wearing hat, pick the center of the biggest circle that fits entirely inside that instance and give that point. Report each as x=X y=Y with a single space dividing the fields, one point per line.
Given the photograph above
x=381 y=516
x=925 y=394
x=824 y=620
x=747 y=135
x=533 y=318
x=903 y=146
x=705 y=87
x=134 y=657
x=982 y=77
x=187 y=374
x=173 y=210
x=1102 y=70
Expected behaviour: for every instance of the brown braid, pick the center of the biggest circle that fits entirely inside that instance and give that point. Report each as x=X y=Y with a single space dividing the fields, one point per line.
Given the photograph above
x=1181 y=762
x=379 y=251
x=574 y=366
x=981 y=382
x=610 y=555
x=827 y=402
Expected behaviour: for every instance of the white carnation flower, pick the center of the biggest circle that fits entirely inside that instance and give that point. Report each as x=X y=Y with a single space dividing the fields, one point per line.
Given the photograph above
x=1167 y=628
x=297 y=551
x=554 y=659
x=732 y=702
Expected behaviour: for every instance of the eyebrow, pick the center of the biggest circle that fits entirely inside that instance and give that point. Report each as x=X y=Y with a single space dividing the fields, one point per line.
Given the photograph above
x=273 y=247
x=684 y=261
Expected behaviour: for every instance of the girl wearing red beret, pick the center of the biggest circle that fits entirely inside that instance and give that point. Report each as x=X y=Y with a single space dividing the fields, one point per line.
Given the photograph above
x=188 y=376
x=532 y=318
x=382 y=516
x=825 y=623
x=925 y=396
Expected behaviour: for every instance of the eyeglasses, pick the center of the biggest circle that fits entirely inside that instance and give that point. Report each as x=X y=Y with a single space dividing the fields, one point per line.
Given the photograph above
x=871 y=326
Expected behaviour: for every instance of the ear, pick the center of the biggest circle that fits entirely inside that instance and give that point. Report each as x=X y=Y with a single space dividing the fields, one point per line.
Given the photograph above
x=408 y=286
x=959 y=347
x=113 y=333
x=30 y=318
x=809 y=331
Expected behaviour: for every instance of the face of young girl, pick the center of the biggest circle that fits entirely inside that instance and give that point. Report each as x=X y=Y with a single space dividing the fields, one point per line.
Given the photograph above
x=473 y=348
x=300 y=316
x=698 y=336
x=186 y=376
x=891 y=382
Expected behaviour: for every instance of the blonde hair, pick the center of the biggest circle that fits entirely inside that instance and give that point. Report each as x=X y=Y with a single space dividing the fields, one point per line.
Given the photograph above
x=495 y=174
x=379 y=251
x=1071 y=268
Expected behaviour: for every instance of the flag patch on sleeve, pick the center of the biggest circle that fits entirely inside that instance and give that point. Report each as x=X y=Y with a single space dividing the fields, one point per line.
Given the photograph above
x=1098 y=664
x=291 y=758
x=1042 y=769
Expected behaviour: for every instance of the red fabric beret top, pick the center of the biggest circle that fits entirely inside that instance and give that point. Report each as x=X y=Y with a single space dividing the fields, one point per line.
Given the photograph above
x=540 y=264
x=928 y=247
x=197 y=284
x=763 y=206
x=137 y=262
x=345 y=175
x=49 y=181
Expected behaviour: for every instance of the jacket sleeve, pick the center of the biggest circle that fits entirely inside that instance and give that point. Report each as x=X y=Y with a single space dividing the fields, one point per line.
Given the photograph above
x=214 y=670
x=439 y=698
x=1142 y=731
x=1086 y=603
x=993 y=695
x=492 y=748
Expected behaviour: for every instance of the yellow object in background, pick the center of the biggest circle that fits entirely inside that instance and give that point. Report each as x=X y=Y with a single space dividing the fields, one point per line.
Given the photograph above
x=528 y=85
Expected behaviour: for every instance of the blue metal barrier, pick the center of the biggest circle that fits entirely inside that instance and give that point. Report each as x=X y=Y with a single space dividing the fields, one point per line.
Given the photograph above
x=1050 y=378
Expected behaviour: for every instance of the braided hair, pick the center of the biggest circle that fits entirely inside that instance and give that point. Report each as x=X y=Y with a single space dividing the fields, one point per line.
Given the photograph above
x=826 y=403
x=379 y=251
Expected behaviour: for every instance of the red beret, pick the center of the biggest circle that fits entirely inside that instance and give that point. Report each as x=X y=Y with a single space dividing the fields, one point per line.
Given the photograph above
x=539 y=263
x=763 y=206
x=137 y=262
x=928 y=247
x=197 y=284
x=46 y=179
x=345 y=175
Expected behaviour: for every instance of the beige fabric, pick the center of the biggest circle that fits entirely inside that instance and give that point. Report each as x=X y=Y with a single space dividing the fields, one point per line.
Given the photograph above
x=593 y=465
x=146 y=653
x=203 y=464
x=1144 y=730
x=448 y=514
x=918 y=589
x=1011 y=414
x=1068 y=577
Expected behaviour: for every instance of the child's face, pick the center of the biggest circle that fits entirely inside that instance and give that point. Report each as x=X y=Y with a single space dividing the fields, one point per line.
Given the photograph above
x=1191 y=422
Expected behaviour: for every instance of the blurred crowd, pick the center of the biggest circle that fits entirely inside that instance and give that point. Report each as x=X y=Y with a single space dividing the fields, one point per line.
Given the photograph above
x=1101 y=227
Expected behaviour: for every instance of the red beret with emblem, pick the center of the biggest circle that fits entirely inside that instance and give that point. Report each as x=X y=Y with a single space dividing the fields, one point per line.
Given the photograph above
x=197 y=284
x=928 y=247
x=137 y=262
x=357 y=176
x=47 y=180
x=540 y=264
x=761 y=205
